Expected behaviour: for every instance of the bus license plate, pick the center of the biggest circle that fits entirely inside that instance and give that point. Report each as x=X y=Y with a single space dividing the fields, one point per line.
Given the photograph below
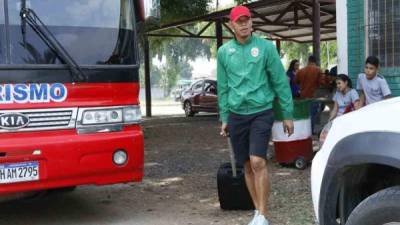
x=19 y=172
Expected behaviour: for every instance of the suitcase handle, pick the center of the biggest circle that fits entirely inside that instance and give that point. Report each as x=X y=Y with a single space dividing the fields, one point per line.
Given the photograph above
x=232 y=156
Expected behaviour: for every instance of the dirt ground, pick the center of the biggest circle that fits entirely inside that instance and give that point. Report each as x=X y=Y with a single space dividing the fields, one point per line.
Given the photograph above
x=182 y=156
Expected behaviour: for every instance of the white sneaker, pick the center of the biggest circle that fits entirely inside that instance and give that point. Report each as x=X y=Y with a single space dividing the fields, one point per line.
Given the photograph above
x=260 y=220
x=256 y=213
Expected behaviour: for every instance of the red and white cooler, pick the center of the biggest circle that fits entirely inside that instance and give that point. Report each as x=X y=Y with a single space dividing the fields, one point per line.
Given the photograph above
x=296 y=149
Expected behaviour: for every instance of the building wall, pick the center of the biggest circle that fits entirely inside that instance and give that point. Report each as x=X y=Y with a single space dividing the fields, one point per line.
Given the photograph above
x=356 y=37
x=356 y=49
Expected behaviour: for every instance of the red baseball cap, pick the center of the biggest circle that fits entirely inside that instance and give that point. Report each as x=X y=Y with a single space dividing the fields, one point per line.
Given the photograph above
x=239 y=11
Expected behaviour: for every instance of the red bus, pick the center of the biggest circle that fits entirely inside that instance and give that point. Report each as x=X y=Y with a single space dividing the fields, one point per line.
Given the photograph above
x=69 y=108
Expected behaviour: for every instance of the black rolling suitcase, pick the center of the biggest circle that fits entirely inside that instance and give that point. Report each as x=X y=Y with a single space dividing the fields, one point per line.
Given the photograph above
x=232 y=190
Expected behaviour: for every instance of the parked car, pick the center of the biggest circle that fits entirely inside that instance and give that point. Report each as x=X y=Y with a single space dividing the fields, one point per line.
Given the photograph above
x=181 y=86
x=200 y=97
x=356 y=175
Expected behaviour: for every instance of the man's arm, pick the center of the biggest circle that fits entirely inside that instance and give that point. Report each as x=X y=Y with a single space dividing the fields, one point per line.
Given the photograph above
x=357 y=104
x=334 y=111
x=360 y=91
x=322 y=79
x=280 y=85
x=362 y=99
x=355 y=99
x=385 y=89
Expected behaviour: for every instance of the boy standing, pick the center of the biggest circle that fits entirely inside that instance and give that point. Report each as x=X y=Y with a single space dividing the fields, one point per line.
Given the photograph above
x=372 y=86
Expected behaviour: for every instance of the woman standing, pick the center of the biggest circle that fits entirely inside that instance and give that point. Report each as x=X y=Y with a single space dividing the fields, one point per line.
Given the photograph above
x=291 y=73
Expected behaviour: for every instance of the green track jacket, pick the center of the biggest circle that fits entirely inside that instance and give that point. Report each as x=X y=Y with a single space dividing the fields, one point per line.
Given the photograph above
x=249 y=77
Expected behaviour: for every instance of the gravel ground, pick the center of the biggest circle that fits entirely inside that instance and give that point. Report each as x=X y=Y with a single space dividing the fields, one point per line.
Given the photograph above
x=182 y=156
x=188 y=151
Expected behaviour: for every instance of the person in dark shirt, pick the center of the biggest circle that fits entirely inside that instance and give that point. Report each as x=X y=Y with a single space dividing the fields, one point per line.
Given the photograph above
x=291 y=73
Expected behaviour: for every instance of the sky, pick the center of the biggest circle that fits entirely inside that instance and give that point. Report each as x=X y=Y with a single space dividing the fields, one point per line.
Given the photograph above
x=223 y=3
x=204 y=68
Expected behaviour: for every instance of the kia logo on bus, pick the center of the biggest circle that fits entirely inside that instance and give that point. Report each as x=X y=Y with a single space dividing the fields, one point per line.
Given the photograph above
x=12 y=121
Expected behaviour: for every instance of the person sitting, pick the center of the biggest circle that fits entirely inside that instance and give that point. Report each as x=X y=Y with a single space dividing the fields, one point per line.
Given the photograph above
x=346 y=98
x=372 y=86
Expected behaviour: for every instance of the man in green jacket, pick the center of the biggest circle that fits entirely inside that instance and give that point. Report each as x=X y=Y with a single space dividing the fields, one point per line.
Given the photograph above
x=250 y=76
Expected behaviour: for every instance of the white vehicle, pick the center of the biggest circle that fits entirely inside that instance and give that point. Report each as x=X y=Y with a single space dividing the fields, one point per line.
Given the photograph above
x=355 y=176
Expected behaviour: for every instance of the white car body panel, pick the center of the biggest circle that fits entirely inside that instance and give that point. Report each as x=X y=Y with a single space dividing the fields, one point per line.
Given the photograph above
x=382 y=116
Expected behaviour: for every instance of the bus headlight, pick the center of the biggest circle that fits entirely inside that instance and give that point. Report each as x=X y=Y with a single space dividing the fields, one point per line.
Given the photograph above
x=102 y=116
x=132 y=114
x=115 y=115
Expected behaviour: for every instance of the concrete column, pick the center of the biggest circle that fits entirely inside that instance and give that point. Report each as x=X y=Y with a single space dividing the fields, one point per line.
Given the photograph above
x=341 y=30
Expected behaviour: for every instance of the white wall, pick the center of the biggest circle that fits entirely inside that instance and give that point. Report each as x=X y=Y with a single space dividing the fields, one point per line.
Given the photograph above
x=341 y=31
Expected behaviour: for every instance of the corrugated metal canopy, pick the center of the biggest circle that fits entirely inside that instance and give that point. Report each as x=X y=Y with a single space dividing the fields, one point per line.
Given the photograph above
x=292 y=20
x=278 y=19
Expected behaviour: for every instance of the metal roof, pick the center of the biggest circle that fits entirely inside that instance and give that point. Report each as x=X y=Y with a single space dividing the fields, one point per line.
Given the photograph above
x=278 y=19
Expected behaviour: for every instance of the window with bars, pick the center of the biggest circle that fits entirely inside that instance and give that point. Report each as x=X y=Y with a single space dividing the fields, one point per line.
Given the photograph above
x=383 y=31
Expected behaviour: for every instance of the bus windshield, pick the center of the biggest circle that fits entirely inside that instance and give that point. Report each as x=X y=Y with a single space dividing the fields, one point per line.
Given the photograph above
x=93 y=32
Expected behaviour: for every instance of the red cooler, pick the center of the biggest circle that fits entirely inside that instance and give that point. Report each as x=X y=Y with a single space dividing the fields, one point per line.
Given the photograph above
x=296 y=149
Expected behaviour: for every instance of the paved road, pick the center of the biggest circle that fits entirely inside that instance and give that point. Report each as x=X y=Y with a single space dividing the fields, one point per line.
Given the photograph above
x=164 y=109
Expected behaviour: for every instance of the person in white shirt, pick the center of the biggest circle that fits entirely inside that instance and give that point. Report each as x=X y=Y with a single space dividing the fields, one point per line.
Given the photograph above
x=372 y=86
x=346 y=98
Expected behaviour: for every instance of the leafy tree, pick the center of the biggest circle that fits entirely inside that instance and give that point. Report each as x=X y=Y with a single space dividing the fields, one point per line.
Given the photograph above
x=174 y=10
x=301 y=51
x=328 y=51
x=185 y=71
x=177 y=51
x=155 y=75
x=181 y=49
x=169 y=76
x=293 y=50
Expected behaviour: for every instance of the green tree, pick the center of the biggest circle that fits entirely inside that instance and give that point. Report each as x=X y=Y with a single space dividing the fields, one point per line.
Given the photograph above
x=328 y=53
x=301 y=51
x=181 y=49
x=185 y=70
x=292 y=50
x=174 y=10
x=155 y=75
x=177 y=51
x=169 y=75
